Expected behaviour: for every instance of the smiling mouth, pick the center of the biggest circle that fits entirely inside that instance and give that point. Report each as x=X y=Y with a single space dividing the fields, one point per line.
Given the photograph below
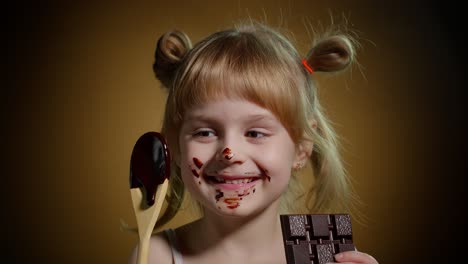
x=221 y=180
x=238 y=180
x=232 y=183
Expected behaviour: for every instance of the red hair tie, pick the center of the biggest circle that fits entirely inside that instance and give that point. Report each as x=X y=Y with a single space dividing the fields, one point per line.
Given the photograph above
x=307 y=66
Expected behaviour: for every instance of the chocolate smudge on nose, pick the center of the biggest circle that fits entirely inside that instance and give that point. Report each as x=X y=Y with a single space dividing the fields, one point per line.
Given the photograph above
x=227 y=152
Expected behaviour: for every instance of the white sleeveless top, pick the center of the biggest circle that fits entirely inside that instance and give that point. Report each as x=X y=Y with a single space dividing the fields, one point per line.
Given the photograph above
x=176 y=255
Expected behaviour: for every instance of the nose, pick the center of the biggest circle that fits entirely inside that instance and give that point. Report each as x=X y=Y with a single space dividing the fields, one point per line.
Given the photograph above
x=227 y=153
x=228 y=156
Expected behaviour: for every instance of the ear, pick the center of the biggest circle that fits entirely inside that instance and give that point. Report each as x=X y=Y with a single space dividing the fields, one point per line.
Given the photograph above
x=304 y=150
x=303 y=153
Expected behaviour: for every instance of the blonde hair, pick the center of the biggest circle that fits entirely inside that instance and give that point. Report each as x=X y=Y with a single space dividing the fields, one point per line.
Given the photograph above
x=258 y=64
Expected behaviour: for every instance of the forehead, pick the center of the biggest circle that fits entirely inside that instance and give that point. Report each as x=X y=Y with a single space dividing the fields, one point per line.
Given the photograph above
x=229 y=110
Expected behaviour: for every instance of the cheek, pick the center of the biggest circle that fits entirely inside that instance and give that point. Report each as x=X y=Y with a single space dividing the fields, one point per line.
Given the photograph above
x=196 y=157
x=193 y=161
x=278 y=160
x=192 y=177
x=200 y=151
x=281 y=176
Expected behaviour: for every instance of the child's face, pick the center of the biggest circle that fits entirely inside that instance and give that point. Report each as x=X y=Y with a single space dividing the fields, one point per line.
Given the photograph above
x=236 y=157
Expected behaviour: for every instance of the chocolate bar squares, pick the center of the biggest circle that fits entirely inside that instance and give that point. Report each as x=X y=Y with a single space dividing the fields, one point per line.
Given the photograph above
x=315 y=238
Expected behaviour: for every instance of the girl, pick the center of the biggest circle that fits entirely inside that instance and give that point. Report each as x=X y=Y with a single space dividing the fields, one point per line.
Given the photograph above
x=241 y=116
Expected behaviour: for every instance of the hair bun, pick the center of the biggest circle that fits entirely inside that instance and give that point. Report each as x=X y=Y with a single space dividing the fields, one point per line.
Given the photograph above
x=331 y=54
x=171 y=49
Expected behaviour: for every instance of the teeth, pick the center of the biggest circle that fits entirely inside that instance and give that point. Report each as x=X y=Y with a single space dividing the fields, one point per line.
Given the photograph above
x=219 y=179
x=240 y=181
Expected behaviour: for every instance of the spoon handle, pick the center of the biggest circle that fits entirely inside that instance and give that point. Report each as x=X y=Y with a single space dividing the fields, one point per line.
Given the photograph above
x=146 y=218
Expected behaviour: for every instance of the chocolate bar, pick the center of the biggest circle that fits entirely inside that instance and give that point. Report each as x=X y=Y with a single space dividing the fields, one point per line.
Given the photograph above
x=316 y=238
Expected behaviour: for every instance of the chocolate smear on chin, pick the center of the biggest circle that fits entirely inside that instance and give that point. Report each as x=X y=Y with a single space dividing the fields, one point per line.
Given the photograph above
x=232 y=203
x=219 y=195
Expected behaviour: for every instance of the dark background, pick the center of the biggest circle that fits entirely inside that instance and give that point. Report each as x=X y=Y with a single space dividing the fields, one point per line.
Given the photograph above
x=80 y=90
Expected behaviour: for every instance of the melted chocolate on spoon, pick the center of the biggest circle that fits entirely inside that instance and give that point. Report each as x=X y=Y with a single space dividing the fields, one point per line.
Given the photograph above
x=150 y=164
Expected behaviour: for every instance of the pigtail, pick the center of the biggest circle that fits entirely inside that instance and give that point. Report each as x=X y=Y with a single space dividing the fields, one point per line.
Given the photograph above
x=170 y=51
x=331 y=54
x=332 y=190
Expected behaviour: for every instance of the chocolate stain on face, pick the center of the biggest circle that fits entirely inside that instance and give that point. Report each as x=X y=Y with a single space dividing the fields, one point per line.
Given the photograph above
x=219 y=195
x=197 y=163
x=246 y=192
x=243 y=194
x=227 y=152
x=265 y=173
x=232 y=200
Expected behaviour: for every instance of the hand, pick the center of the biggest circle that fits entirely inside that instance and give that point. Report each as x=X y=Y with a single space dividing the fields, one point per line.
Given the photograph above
x=354 y=257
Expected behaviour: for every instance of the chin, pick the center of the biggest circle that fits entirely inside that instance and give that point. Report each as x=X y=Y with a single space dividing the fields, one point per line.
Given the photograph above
x=245 y=209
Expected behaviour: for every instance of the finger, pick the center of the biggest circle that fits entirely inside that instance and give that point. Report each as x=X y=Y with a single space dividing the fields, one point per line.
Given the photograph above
x=355 y=256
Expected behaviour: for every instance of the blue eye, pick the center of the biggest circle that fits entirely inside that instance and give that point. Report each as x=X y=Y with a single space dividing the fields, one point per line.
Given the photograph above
x=254 y=134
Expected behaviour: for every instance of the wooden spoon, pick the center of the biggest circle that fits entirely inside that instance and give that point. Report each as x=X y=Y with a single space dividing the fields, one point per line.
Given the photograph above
x=149 y=174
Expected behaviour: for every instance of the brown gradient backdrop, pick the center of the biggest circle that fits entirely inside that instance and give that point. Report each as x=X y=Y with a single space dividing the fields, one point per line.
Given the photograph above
x=80 y=91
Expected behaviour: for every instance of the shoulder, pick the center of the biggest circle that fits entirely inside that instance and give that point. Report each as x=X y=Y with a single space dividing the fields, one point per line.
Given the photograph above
x=159 y=250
